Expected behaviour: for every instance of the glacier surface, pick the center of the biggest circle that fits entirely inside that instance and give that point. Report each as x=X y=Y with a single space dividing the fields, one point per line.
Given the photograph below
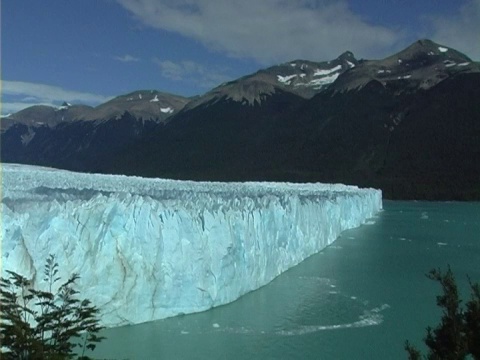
x=147 y=249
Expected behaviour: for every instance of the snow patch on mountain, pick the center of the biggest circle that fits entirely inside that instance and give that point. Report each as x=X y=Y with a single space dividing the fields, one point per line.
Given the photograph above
x=320 y=72
x=167 y=110
x=286 y=79
x=64 y=106
x=326 y=80
x=442 y=49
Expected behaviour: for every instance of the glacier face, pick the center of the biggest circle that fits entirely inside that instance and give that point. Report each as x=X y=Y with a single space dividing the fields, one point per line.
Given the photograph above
x=147 y=249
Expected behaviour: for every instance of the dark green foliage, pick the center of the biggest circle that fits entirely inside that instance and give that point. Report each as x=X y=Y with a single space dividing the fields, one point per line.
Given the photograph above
x=458 y=334
x=413 y=353
x=472 y=321
x=48 y=324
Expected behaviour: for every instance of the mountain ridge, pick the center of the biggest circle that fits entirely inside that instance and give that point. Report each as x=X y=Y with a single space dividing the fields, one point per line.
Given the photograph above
x=363 y=122
x=305 y=78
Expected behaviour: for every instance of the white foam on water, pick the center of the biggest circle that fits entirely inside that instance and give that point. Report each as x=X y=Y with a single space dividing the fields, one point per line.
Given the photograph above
x=370 y=317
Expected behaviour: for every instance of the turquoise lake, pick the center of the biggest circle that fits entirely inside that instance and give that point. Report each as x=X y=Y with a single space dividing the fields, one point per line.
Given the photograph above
x=360 y=298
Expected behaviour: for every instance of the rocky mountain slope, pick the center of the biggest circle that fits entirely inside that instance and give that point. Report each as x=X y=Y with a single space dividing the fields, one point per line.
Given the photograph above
x=147 y=105
x=422 y=65
x=83 y=138
x=408 y=124
x=41 y=115
x=300 y=77
x=422 y=145
x=144 y=104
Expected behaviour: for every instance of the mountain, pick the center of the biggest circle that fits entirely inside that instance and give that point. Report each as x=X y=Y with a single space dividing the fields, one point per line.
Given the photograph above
x=146 y=105
x=300 y=77
x=82 y=138
x=212 y=140
x=422 y=145
x=408 y=124
x=420 y=66
x=214 y=134
x=76 y=138
x=412 y=145
x=41 y=115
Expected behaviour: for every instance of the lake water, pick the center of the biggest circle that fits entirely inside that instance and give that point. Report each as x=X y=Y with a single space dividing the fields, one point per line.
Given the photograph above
x=360 y=298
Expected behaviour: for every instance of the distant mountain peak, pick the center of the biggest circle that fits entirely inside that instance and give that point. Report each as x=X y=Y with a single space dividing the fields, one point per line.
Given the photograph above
x=247 y=91
x=145 y=104
x=426 y=47
x=43 y=115
x=346 y=55
x=65 y=105
x=299 y=77
x=421 y=65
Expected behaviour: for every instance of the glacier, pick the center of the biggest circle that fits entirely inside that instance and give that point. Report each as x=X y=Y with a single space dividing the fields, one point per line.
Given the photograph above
x=147 y=249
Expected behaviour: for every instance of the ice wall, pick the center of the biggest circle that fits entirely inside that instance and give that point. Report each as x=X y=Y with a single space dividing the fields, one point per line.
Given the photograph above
x=147 y=249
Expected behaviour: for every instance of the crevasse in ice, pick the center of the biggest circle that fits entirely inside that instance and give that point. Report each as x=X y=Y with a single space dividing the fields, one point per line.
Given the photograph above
x=148 y=249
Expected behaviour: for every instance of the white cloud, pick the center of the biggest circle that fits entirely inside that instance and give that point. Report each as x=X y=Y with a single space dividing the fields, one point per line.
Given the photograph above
x=460 y=31
x=268 y=30
x=191 y=71
x=126 y=58
x=17 y=95
x=171 y=70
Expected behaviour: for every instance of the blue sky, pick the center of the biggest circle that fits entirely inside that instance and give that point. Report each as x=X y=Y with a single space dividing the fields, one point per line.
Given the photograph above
x=91 y=50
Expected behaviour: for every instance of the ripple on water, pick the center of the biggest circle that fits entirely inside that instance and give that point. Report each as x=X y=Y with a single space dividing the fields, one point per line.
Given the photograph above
x=346 y=307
